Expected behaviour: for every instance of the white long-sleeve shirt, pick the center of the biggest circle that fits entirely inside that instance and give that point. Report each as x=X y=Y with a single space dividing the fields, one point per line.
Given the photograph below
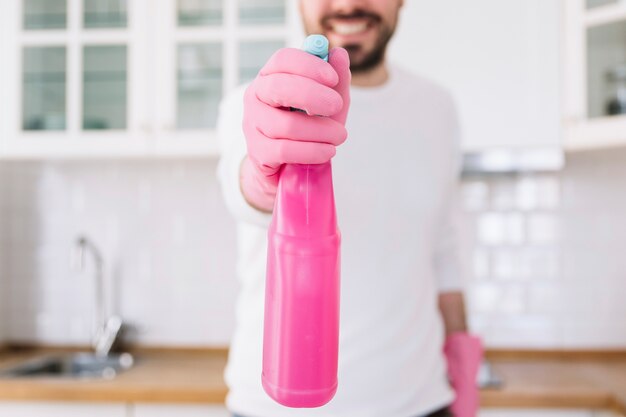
x=395 y=184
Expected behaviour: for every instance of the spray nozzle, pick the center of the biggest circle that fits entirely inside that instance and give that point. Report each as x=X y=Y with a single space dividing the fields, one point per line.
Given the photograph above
x=316 y=45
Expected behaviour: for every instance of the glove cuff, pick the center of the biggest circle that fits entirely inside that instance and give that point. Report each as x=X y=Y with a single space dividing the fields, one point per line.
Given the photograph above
x=258 y=190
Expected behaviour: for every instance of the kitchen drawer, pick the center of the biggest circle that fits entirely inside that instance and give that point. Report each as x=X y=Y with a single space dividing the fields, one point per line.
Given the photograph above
x=178 y=410
x=534 y=412
x=62 y=409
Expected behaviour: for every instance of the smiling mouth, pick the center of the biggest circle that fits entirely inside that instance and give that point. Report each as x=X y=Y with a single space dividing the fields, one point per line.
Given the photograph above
x=349 y=28
x=352 y=24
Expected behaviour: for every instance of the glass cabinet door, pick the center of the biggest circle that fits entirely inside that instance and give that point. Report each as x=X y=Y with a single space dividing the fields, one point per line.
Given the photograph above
x=74 y=66
x=253 y=55
x=44 y=14
x=105 y=14
x=199 y=13
x=104 y=87
x=43 y=68
x=262 y=12
x=606 y=70
x=199 y=84
x=198 y=63
x=594 y=74
x=218 y=44
x=44 y=88
x=130 y=73
x=105 y=66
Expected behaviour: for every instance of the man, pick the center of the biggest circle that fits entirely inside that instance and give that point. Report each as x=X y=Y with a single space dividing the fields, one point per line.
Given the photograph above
x=404 y=350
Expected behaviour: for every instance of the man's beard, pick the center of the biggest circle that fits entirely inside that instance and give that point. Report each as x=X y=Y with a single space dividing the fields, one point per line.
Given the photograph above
x=372 y=59
x=377 y=54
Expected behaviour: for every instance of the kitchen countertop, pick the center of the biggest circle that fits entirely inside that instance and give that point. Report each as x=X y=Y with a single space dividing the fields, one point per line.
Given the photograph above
x=160 y=375
x=569 y=379
x=592 y=380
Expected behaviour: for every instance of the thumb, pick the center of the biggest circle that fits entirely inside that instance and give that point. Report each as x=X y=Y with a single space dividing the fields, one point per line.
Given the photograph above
x=338 y=58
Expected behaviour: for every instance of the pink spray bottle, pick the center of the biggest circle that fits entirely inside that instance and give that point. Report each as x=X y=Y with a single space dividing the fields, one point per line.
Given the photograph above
x=301 y=328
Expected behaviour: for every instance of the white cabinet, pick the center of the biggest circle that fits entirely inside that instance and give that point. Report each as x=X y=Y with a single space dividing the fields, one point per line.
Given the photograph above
x=203 y=49
x=54 y=409
x=87 y=78
x=74 y=78
x=179 y=410
x=539 y=412
x=513 y=412
x=499 y=58
x=594 y=74
x=70 y=409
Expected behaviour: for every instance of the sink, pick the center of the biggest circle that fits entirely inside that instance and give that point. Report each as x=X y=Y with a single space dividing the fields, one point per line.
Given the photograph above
x=74 y=365
x=487 y=377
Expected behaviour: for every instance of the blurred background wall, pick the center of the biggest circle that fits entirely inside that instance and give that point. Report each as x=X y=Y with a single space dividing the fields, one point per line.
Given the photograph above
x=545 y=249
x=110 y=133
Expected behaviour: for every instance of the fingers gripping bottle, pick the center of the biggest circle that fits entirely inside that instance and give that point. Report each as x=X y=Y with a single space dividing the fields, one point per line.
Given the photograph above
x=301 y=327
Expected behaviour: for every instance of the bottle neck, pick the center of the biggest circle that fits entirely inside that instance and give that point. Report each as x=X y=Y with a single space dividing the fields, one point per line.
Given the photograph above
x=305 y=203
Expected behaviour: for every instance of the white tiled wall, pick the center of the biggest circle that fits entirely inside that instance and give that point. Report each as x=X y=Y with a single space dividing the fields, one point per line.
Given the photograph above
x=167 y=240
x=549 y=268
x=3 y=249
x=548 y=251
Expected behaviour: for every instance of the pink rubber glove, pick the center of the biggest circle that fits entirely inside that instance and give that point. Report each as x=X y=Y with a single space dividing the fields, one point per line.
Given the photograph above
x=275 y=135
x=464 y=354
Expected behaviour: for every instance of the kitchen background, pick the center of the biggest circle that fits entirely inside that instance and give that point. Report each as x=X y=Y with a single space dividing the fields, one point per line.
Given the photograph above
x=107 y=131
x=546 y=252
x=544 y=243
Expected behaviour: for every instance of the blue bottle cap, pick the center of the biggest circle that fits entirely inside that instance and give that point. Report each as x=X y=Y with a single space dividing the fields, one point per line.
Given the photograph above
x=316 y=45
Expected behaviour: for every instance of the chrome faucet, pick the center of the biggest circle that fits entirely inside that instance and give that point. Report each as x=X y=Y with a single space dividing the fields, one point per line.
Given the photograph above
x=107 y=329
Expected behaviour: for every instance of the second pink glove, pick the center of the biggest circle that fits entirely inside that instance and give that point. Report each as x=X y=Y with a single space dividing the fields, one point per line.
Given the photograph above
x=464 y=354
x=275 y=135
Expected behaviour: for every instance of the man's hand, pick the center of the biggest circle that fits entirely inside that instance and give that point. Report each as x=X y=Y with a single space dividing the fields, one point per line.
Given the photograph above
x=275 y=135
x=463 y=353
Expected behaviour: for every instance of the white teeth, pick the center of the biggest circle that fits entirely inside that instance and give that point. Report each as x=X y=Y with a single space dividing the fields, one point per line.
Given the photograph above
x=349 y=28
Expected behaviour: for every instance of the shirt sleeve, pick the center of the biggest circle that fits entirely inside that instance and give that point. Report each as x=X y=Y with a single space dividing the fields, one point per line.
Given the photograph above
x=449 y=261
x=232 y=145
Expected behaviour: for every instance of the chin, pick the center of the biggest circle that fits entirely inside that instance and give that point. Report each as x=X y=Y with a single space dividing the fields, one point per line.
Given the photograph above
x=357 y=56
